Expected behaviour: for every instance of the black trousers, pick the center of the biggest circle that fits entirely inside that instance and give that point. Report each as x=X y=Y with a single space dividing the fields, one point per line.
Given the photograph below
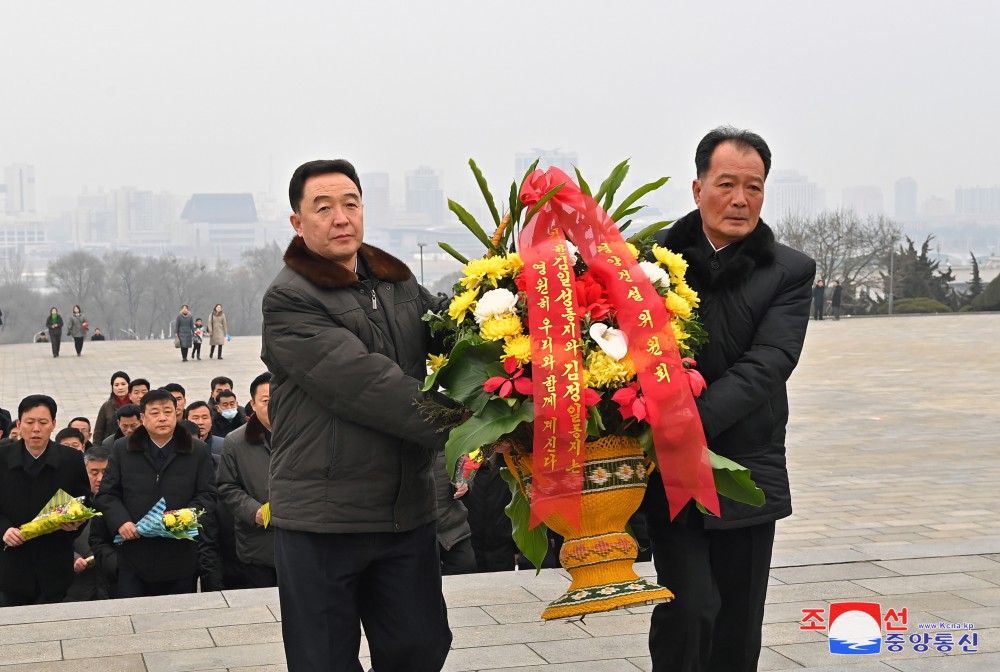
x=78 y=343
x=131 y=584
x=459 y=559
x=720 y=581
x=55 y=340
x=19 y=600
x=184 y=354
x=196 y=350
x=331 y=584
x=260 y=576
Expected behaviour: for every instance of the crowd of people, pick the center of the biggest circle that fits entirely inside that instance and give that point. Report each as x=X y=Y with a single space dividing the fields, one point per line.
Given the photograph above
x=213 y=456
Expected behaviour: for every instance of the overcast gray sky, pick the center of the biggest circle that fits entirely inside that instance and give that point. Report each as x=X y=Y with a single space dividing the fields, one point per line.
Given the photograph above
x=210 y=95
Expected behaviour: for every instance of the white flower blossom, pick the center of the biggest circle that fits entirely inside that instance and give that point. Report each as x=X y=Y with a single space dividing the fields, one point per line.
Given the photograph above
x=495 y=303
x=655 y=273
x=610 y=340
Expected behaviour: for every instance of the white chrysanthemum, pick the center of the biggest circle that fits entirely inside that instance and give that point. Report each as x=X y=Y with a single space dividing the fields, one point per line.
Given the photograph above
x=495 y=303
x=611 y=341
x=655 y=273
x=572 y=252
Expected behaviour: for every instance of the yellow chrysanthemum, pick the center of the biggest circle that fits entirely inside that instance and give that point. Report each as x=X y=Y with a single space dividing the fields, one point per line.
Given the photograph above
x=485 y=268
x=518 y=347
x=186 y=516
x=499 y=328
x=170 y=520
x=514 y=264
x=683 y=290
x=461 y=304
x=603 y=371
x=675 y=264
x=633 y=249
x=437 y=361
x=679 y=334
x=678 y=305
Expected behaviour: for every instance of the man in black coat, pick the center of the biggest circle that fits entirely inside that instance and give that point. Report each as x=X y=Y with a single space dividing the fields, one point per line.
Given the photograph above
x=835 y=299
x=39 y=570
x=160 y=459
x=754 y=303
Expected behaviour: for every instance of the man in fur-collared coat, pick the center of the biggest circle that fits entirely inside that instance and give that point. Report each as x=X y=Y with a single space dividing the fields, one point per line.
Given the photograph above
x=755 y=296
x=351 y=486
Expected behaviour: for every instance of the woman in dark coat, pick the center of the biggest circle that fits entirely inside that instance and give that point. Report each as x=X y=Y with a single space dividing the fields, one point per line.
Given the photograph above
x=106 y=424
x=184 y=328
x=78 y=328
x=54 y=329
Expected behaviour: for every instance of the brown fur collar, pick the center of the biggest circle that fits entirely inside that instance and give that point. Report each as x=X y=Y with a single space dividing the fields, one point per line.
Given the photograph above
x=254 y=433
x=331 y=275
x=686 y=236
x=139 y=440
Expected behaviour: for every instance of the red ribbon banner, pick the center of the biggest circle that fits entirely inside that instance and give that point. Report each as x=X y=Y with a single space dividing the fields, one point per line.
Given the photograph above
x=678 y=437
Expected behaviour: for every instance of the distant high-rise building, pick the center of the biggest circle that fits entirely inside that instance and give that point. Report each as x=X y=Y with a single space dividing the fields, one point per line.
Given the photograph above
x=865 y=200
x=565 y=161
x=133 y=211
x=424 y=195
x=906 y=199
x=976 y=201
x=375 y=195
x=935 y=206
x=19 y=179
x=790 y=194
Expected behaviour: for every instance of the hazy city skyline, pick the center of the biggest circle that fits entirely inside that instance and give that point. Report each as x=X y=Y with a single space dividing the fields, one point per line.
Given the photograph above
x=231 y=96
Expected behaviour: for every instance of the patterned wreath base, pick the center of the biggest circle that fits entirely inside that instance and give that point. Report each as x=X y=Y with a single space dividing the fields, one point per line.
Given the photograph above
x=600 y=555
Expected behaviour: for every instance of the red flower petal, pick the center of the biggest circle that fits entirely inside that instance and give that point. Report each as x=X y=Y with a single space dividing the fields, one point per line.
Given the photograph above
x=591 y=397
x=524 y=386
x=506 y=388
x=510 y=364
x=639 y=409
x=696 y=381
x=494 y=383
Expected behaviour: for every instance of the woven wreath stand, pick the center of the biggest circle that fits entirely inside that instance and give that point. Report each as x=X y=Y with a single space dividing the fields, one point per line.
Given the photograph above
x=600 y=556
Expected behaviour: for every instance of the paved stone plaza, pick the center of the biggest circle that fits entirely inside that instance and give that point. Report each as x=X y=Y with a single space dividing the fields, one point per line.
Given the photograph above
x=895 y=463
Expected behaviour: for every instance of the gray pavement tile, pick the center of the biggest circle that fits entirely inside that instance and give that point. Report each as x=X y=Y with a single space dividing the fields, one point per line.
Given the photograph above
x=515 y=633
x=489 y=658
x=56 y=630
x=251 y=597
x=923 y=583
x=975 y=662
x=596 y=648
x=465 y=616
x=817 y=655
x=276 y=610
x=130 y=663
x=226 y=657
x=616 y=624
x=947 y=565
x=861 y=666
x=926 y=601
x=138 y=605
x=644 y=663
x=786 y=558
x=618 y=665
x=983 y=617
x=201 y=618
x=489 y=595
x=992 y=575
x=821 y=590
x=776 y=634
x=790 y=612
x=841 y=572
x=772 y=660
x=989 y=597
x=260 y=668
x=32 y=652
x=521 y=612
x=93 y=647
x=931 y=549
x=547 y=591
x=254 y=633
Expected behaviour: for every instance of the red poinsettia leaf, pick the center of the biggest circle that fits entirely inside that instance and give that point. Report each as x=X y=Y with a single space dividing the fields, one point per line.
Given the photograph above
x=521 y=282
x=510 y=364
x=624 y=396
x=494 y=383
x=690 y=363
x=506 y=388
x=524 y=386
x=639 y=408
x=591 y=397
x=696 y=381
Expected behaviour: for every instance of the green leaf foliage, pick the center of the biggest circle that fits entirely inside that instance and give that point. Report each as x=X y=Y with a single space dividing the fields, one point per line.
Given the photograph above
x=543 y=200
x=649 y=231
x=733 y=480
x=466 y=370
x=610 y=185
x=584 y=187
x=453 y=252
x=623 y=209
x=470 y=223
x=533 y=543
x=481 y=181
x=482 y=429
x=518 y=206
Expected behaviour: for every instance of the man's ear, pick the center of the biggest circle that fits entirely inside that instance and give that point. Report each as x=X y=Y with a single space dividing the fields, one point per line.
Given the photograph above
x=296 y=221
x=696 y=191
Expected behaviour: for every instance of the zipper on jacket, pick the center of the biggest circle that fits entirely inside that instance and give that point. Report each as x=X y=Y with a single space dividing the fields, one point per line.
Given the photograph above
x=371 y=290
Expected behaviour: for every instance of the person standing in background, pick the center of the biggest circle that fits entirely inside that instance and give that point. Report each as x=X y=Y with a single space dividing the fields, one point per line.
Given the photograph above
x=78 y=329
x=54 y=329
x=835 y=300
x=105 y=423
x=184 y=329
x=819 y=300
x=199 y=331
x=218 y=329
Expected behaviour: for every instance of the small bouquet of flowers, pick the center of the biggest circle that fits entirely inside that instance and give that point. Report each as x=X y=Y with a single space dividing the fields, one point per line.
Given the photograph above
x=172 y=524
x=62 y=508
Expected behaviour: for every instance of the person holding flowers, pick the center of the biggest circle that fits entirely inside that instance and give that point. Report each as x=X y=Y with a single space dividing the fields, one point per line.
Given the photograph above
x=158 y=460
x=352 y=492
x=33 y=469
x=754 y=304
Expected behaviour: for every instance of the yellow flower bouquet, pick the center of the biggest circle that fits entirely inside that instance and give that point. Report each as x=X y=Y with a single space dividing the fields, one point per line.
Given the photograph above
x=172 y=524
x=62 y=508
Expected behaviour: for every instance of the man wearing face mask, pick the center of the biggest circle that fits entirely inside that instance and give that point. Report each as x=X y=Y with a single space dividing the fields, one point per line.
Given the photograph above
x=228 y=415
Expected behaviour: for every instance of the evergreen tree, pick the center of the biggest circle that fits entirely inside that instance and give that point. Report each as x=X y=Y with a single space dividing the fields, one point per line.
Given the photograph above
x=976 y=286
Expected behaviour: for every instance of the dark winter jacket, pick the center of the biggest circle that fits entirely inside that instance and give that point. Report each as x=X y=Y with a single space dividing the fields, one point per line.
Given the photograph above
x=351 y=451
x=222 y=427
x=76 y=328
x=106 y=424
x=242 y=479
x=131 y=487
x=184 y=328
x=47 y=560
x=54 y=329
x=755 y=309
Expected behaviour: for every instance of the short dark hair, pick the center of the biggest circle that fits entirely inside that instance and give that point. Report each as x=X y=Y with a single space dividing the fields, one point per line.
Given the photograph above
x=156 y=395
x=96 y=453
x=5 y=422
x=742 y=138
x=80 y=418
x=194 y=406
x=258 y=381
x=139 y=381
x=70 y=433
x=34 y=401
x=120 y=374
x=224 y=393
x=175 y=387
x=297 y=185
x=222 y=380
x=127 y=411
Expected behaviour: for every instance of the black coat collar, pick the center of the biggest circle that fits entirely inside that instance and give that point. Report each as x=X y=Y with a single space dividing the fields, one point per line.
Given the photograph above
x=15 y=457
x=687 y=237
x=139 y=440
x=331 y=275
